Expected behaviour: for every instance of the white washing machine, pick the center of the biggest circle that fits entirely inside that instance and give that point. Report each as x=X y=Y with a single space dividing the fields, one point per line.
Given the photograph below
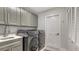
x=32 y=40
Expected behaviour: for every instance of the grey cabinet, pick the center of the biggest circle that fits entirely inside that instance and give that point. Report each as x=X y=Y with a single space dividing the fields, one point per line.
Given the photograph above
x=1 y=15
x=24 y=20
x=15 y=46
x=28 y=19
x=34 y=20
x=18 y=14
x=5 y=48
x=12 y=19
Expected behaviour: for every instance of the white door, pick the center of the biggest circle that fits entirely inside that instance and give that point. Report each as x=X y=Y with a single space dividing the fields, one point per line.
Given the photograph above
x=52 y=29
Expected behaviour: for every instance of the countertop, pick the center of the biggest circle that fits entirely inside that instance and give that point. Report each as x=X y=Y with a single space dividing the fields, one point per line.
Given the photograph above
x=10 y=39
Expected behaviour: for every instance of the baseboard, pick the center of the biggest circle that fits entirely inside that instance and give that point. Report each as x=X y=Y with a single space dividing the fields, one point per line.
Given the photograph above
x=53 y=49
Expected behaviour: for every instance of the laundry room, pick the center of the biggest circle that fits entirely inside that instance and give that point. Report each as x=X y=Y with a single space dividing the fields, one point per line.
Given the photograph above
x=39 y=29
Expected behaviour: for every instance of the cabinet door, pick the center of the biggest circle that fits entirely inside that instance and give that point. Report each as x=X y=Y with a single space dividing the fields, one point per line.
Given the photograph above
x=34 y=20
x=17 y=46
x=12 y=16
x=18 y=16
x=1 y=15
x=29 y=20
x=5 y=48
x=23 y=18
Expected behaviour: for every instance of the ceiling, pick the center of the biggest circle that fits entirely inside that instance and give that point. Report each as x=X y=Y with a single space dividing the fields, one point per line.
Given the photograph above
x=37 y=10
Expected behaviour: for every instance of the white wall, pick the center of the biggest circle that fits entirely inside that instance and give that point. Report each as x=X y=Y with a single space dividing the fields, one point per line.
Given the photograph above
x=65 y=40
x=41 y=17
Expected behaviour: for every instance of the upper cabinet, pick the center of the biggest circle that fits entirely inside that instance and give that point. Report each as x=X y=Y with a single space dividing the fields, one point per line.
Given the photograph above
x=34 y=20
x=12 y=16
x=24 y=20
x=18 y=16
x=28 y=19
x=1 y=15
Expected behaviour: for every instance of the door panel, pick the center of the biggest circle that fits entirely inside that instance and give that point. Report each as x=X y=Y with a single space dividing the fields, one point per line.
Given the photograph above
x=5 y=48
x=18 y=14
x=1 y=15
x=52 y=28
x=34 y=20
x=12 y=16
x=17 y=48
x=24 y=20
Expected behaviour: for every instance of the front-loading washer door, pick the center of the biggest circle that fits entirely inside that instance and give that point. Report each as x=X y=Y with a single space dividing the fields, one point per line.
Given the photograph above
x=33 y=45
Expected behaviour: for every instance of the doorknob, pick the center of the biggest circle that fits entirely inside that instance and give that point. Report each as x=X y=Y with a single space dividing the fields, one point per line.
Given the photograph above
x=57 y=34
